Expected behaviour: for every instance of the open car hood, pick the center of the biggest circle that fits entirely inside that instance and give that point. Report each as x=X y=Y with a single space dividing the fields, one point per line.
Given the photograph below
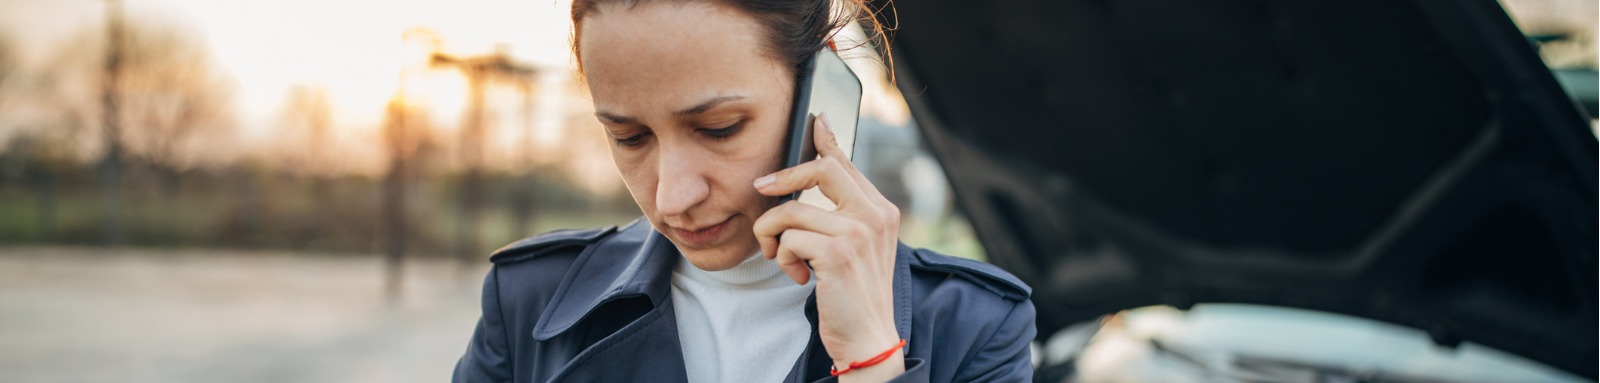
x=1410 y=161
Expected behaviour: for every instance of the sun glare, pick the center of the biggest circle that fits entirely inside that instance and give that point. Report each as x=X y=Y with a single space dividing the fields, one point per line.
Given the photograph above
x=361 y=55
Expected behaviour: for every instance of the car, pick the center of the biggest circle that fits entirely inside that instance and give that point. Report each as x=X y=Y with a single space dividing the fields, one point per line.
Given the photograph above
x=1392 y=164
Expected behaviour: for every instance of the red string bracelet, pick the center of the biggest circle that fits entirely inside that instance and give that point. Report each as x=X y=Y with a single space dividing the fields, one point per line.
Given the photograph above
x=869 y=362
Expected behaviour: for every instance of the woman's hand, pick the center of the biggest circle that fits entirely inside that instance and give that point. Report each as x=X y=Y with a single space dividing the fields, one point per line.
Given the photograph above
x=850 y=251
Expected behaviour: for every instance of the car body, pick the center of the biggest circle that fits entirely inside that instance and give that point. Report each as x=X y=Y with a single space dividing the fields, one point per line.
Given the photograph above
x=1409 y=162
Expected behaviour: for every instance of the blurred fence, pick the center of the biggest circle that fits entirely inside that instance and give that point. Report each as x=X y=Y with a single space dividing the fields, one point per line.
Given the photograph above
x=128 y=134
x=253 y=207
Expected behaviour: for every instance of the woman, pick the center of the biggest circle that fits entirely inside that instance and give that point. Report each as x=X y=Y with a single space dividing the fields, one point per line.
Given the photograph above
x=696 y=95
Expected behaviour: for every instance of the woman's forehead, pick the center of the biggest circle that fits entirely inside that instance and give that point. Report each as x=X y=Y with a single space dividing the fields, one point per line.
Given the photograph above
x=656 y=56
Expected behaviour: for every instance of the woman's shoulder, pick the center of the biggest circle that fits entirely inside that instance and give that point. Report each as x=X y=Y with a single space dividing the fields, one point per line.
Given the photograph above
x=549 y=243
x=963 y=295
x=538 y=264
x=977 y=317
x=943 y=271
x=532 y=268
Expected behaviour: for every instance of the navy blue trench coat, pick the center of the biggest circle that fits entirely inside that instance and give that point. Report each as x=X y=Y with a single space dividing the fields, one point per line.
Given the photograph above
x=595 y=306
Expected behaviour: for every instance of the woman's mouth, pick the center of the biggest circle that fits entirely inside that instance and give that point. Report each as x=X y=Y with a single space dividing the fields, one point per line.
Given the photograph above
x=702 y=236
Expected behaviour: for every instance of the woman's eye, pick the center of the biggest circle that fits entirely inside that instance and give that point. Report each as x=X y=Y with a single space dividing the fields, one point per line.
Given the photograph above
x=720 y=133
x=631 y=141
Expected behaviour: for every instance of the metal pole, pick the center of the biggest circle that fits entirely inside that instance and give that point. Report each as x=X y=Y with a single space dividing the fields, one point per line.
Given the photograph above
x=111 y=163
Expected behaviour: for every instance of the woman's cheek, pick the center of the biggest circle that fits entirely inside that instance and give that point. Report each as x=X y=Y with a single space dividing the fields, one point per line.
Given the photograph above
x=757 y=152
x=637 y=172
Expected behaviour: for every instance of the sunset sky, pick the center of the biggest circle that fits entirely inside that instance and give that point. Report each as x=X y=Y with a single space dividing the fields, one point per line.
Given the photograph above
x=351 y=48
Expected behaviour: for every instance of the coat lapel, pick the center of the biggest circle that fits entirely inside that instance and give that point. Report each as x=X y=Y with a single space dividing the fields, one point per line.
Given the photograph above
x=620 y=294
x=646 y=350
x=628 y=276
x=636 y=262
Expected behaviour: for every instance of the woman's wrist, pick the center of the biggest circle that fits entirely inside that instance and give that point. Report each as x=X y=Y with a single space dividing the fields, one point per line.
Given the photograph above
x=867 y=349
x=864 y=347
x=881 y=372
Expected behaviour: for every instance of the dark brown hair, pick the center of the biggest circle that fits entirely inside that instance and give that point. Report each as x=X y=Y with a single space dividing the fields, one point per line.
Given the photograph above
x=794 y=28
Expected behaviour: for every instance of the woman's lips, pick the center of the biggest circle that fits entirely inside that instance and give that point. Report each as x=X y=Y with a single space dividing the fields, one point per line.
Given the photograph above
x=703 y=236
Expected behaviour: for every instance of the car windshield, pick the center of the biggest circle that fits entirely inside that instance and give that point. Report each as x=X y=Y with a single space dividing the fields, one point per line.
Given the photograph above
x=1237 y=342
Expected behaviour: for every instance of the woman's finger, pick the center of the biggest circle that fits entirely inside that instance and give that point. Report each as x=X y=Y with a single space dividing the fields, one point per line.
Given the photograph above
x=829 y=175
x=827 y=143
x=794 y=253
x=796 y=215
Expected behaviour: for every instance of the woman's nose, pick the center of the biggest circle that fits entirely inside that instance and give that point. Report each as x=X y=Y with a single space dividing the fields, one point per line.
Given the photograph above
x=682 y=183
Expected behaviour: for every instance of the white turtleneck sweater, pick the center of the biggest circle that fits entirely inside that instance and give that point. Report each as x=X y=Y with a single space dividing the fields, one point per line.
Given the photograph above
x=744 y=324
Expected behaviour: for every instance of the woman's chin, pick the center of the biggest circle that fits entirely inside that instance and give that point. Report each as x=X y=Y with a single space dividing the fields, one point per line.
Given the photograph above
x=718 y=258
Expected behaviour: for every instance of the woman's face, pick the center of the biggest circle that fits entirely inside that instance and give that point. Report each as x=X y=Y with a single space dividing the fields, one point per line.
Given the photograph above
x=696 y=110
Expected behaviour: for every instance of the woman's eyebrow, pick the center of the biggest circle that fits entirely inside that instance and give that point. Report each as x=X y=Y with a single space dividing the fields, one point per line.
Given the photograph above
x=707 y=105
x=693 y=110
x=615 y=118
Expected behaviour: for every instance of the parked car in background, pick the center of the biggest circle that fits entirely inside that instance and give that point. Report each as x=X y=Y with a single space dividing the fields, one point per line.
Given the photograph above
x=1366 y=190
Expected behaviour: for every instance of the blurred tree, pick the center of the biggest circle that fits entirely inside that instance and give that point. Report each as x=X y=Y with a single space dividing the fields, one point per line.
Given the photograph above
x=522 y=187
x=408 y=145
x=397 y=144
x=305 y=126
x=480 y=72
x=8 y=65
x=171 y=96
x=306 y=121
x=40 y=147
x=157 y=93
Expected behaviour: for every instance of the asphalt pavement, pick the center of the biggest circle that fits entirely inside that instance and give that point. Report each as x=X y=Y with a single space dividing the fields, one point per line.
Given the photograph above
x=137 y=315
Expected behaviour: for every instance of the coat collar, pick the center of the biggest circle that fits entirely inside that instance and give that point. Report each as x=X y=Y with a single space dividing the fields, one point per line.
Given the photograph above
x=638 y=261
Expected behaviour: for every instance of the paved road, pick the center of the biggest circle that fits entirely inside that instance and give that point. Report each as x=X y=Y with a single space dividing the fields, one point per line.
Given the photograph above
x=95 y=315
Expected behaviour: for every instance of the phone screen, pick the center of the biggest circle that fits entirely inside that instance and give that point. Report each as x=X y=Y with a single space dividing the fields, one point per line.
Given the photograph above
x=826 y=86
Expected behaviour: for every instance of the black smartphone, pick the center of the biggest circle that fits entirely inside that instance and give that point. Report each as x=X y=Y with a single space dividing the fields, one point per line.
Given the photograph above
x=825 y=85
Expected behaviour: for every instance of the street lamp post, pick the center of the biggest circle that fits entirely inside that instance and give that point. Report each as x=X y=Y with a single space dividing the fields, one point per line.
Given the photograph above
x=479 y=72
x=111 y=162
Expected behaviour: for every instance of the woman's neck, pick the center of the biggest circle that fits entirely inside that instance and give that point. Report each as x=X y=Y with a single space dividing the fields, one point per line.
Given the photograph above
x=756 y=272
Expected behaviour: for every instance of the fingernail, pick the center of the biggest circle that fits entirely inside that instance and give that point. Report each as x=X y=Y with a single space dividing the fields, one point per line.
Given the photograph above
x=765 y=181
x=826 y=126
